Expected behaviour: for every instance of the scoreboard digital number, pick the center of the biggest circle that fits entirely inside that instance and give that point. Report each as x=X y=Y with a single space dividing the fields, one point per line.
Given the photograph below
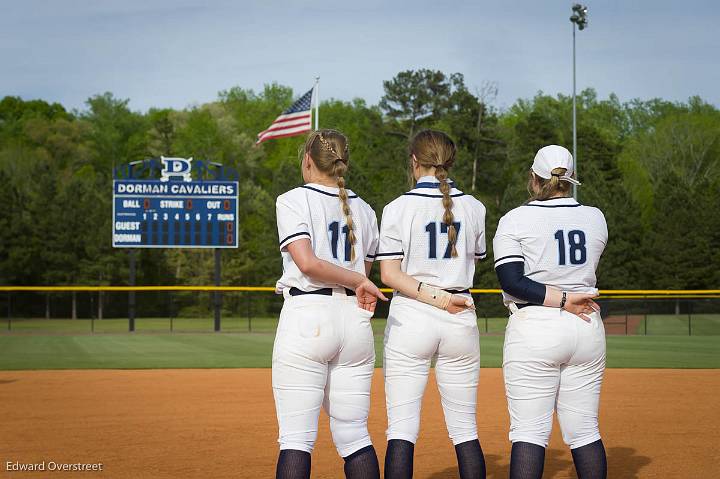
x=174 y=214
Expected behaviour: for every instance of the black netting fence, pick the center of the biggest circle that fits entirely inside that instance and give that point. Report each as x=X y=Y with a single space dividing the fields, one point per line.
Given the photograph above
x=78 y=312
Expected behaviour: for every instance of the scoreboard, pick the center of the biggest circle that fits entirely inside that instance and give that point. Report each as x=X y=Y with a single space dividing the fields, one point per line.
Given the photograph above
x=174 y=214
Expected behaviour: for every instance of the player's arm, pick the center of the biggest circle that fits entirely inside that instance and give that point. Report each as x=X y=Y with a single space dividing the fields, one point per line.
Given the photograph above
x=514 y=282
x=393 y=276
x=580 y=304
x=324 y=272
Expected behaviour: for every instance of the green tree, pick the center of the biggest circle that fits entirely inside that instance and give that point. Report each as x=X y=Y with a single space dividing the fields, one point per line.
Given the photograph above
x=417 y=95
x=118 y=135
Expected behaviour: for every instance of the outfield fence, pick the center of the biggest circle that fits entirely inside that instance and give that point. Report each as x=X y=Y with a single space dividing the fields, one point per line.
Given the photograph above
x=255 y=309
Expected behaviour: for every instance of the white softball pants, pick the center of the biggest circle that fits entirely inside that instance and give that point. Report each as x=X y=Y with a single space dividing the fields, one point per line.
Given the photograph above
x=415 y=333
x=553 y=360
x=323 y=355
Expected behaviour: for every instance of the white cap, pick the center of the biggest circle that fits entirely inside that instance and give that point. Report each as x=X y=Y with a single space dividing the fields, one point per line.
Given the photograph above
x=553 y=156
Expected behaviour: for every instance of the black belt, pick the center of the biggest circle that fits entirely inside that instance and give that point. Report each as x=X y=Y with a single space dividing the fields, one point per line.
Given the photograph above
x=324 y=292
x=451 y=291
x=525 y=305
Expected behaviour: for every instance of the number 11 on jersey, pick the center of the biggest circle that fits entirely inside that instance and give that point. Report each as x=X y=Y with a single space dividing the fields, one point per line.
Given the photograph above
x=334 y=228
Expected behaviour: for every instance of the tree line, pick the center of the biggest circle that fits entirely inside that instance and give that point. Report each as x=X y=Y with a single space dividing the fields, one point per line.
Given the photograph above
x=652 y=166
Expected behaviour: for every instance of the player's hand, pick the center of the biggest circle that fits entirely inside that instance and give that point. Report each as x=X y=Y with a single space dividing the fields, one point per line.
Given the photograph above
x=367 y=295
x=459 y=303
x=581 y=305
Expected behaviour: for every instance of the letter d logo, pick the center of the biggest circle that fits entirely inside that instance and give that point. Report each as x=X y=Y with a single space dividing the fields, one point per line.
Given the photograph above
x=176 y=168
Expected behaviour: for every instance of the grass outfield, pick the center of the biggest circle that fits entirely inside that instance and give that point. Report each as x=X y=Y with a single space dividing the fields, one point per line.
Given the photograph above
x=150 y=325
x=657 y=325
x=151 y=351
x=671 y=324
x=184 y=325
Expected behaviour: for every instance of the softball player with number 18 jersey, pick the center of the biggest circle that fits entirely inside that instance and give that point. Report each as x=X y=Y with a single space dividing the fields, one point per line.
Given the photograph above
x=546 y=255
x=324 y=349
x=429 y=241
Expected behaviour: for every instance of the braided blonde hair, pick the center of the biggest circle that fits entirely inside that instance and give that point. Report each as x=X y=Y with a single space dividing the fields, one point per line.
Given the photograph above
x=433 y=148
x=329 y=150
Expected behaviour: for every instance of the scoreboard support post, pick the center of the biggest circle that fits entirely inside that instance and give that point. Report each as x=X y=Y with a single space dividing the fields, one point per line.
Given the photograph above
x=218 y=298
x=189 y=206
x=131 y=294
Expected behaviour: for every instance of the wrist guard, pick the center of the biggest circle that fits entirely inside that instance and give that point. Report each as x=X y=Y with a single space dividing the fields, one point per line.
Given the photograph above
x=433 y=296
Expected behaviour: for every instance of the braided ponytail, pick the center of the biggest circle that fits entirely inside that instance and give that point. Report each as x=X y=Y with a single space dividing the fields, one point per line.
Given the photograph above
x=329 y=150
x=441 y=174
x=339 y=171
x=436 y=149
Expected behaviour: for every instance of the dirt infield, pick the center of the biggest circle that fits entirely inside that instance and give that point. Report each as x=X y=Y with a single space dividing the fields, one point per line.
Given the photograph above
x=221 y=423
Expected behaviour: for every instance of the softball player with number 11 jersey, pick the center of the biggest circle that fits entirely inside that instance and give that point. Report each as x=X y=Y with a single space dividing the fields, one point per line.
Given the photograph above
x=324 y=349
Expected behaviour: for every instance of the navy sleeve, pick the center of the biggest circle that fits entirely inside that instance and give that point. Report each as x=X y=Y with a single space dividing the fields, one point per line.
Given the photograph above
x=514 y=282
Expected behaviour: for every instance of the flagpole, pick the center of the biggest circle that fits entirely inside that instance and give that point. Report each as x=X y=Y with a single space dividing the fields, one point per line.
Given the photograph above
x=317 y=103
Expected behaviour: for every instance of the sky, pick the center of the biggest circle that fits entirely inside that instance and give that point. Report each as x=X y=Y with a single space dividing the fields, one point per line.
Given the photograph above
x=180 y=53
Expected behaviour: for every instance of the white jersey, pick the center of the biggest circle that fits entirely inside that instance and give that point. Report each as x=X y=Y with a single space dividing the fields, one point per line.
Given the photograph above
x=559 y=241
x=314 y=212
x=413 y=230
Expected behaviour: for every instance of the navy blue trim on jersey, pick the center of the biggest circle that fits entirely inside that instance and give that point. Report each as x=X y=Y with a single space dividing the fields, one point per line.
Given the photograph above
x=410 y=193
x=397 y=253
x=511 y=256
x=427 y=184
x=371 y=256
x=482 y=255
x=325 y=192
x=514 y=282
x=294 y=235
x=555 y=206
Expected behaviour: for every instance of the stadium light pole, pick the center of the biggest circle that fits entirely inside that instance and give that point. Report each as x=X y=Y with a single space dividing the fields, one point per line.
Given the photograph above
x=579 y=19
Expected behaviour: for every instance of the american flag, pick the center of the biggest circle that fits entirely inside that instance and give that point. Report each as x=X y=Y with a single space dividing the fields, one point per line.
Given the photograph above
x=293 y=121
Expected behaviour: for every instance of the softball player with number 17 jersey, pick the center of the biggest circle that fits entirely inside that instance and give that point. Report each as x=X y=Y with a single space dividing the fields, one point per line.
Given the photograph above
x=430 y=239
x=324 y=349
x=546 y=254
